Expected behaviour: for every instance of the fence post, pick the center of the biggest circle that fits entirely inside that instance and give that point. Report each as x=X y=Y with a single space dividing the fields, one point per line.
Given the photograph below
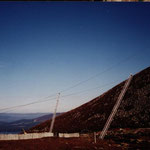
x=94 y=137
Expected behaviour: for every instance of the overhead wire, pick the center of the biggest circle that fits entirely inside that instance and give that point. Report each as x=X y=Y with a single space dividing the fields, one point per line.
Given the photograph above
x=67 y=95
x=100 y=73
x=67 y=89
x=23 y=105
x=90 y=89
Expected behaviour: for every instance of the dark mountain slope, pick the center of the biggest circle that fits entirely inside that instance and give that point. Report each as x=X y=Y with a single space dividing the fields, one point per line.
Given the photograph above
x=134 y=111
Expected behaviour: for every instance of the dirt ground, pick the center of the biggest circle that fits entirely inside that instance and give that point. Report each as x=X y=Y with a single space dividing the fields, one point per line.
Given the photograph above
x=58 y=144
x=117 y=139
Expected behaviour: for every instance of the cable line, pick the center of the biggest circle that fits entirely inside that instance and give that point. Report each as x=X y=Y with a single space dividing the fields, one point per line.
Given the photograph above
x=23 y=105
x=67 y=89
x=100 y=73
x=41 y=101
x=90 y=89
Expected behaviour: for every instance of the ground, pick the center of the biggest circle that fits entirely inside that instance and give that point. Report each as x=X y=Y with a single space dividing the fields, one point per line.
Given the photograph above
x=116 y=139
x=58 y=144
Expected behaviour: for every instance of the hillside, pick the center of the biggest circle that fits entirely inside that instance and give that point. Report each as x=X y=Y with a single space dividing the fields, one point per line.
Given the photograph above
x=133 y=112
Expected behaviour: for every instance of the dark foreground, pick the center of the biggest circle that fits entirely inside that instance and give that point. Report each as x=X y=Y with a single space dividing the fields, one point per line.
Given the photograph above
x=58 y=144
x=118 y=139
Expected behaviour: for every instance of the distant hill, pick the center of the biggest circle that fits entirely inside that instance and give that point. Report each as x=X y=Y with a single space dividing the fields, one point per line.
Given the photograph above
x=134 y=111
x=45 y=117
x=17 y=126
x=11 y=117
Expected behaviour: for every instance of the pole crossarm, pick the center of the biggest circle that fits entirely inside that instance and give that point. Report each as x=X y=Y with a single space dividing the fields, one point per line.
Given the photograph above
x=115 y=108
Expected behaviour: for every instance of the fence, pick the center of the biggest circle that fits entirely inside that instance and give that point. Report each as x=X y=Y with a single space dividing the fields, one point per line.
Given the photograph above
x=36 y=136
x=70 y=135
x=25 y=136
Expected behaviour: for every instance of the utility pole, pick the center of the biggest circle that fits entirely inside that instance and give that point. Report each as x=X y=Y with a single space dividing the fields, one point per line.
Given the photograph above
x=54 y=115
x=115 y=108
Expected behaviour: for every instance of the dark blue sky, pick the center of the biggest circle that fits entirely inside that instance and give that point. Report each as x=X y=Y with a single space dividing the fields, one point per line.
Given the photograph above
x=46 y=47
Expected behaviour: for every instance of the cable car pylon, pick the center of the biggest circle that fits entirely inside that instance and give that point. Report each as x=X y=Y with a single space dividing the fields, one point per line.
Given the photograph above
x=115 y=108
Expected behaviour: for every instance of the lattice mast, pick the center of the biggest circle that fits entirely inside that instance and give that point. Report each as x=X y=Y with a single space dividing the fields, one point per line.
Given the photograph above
x=115 y=108
x=54 y=115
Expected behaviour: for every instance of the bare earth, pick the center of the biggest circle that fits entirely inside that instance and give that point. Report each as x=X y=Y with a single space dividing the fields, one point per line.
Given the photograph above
x=58 y=144
x=117 y=139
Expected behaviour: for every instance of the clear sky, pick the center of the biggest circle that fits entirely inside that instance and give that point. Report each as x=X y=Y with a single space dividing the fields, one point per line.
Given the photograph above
x=46 y=47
